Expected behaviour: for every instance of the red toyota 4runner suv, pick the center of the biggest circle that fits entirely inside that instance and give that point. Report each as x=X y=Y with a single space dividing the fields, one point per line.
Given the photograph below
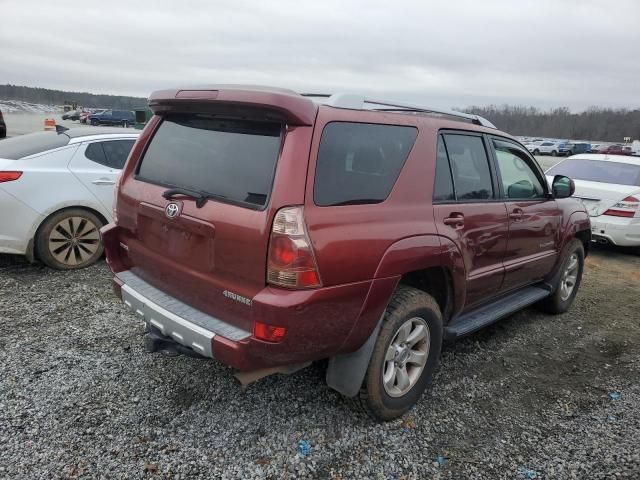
x=267 y=229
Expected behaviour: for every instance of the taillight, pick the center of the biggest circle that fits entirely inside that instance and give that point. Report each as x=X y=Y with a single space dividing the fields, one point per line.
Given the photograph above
x=268 y=333
x=291 y=261
x=114 y=201
x=9 y=176
x=628 y=207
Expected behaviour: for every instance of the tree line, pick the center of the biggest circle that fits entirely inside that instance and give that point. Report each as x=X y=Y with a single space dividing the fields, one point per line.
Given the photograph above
x=595 y=123
x=47 y=96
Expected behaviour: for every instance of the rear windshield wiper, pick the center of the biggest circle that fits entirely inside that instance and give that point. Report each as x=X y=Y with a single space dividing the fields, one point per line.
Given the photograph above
x=200 y=197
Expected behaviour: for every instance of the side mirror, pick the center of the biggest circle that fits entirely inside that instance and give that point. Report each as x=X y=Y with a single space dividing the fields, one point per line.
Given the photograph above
x=562 y=187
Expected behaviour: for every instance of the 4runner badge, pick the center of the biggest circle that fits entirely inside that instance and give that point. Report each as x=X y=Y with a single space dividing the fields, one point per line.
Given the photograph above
x=172 y=210
x=236 y=297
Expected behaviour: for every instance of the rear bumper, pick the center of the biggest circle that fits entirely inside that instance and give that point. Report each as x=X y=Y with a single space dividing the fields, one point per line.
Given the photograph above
x=621 y=231
x=18 y=223
x=320 y=323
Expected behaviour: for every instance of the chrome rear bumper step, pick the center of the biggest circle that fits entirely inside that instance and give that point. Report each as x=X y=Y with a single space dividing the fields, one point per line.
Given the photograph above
x=172 y=318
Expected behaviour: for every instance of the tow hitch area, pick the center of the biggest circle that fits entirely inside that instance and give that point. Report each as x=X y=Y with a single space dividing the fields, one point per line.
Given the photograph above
x=154 y=341
x=246 y=378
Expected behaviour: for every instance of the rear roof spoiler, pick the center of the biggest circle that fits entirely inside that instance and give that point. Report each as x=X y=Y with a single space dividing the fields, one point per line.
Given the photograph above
x=269 y=103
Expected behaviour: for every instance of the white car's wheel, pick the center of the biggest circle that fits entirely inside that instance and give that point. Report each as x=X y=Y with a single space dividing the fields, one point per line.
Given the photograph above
x=70 y=239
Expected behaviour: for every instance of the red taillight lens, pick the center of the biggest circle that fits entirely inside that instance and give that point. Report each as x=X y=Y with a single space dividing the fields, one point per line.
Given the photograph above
x=9 y=176
x=291 y=261
x=268 y=333
x=628 y=207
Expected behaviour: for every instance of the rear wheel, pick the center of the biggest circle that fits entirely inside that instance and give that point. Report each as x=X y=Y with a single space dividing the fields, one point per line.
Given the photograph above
x=70 y=239
x=569 y=281
x=95 y=123
x=554 y=153
x=536 y=152
x=405 y=356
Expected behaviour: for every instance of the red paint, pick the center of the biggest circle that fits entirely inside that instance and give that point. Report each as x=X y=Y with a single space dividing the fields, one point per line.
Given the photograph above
x=362 y=251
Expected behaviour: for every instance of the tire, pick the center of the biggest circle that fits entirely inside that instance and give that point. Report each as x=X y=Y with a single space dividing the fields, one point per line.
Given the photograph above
x=536 y=152
x=554 y=153
x=70 y=239
x=558 y=302
x=413 y=307
x=569 y=153
x=95 y=123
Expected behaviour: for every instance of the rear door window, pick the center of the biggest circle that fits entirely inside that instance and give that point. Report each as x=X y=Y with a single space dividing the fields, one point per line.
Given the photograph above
x=112 y=153
x=359 y=163
x=469 y=166
x=443 y=185
x=519 y=181
x=229 y=160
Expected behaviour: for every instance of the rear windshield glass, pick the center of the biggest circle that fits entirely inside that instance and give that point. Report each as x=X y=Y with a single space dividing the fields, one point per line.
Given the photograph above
x=21 y=146
x=598 y=171
x=359 y=162
x=232 y=160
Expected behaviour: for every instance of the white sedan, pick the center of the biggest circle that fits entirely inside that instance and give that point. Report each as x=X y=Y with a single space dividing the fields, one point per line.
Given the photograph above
x=56 y=191
x=609 y=186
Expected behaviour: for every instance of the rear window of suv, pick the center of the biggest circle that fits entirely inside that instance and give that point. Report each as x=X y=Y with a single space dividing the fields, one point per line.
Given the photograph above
x=359 y=163
x=230 y=160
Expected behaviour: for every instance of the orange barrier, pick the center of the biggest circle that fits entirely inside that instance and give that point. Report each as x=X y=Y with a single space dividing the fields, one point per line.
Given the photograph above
x=49 y=124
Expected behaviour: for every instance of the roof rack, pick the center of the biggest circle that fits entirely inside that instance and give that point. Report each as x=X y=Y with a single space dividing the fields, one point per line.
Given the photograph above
x=360 y=102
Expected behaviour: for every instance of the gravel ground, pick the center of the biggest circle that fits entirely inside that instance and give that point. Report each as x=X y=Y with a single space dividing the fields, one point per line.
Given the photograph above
x=535 y=396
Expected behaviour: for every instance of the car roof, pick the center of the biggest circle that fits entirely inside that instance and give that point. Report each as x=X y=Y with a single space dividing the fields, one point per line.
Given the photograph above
x=607 y=158
x=84 y=134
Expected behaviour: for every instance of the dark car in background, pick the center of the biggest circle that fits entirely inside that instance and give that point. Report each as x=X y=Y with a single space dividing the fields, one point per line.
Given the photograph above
x=573 y=148
x=113 y=117
x=3 y=126
x=71 y=115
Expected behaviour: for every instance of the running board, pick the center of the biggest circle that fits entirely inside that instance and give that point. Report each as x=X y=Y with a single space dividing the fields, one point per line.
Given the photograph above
x=479 y=318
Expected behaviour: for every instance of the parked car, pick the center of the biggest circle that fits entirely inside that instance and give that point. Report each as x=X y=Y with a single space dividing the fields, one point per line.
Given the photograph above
x=610 y=189
x=125 y=118
x=547 y=148
x=359 y=247
x=3 y=126
x=594 y=148
x=615 y=150
x=574 y=148
x=71 y=115
x=635 y=148
x=56 y=191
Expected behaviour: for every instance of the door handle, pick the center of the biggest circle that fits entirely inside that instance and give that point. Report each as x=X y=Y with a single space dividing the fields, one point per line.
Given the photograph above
x=455 y=220
x=517 y=215
x=104 y=181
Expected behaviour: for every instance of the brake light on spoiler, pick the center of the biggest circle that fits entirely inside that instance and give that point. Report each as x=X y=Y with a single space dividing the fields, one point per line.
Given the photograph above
x=291 y=261
x=628 y=207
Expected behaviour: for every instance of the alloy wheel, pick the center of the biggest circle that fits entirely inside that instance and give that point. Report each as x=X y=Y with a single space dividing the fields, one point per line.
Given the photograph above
x=569 y=277
x=406 y=357
x=74 y=241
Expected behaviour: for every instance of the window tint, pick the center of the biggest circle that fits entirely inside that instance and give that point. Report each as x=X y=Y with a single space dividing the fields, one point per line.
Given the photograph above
x=95 y=153
x=112 y=154
x=518 y=179
x=359 y=162
x=24 y=145
x=470 y=167
x=117 y=152
x=443 y=185
x=232 y=160
x=598 y=171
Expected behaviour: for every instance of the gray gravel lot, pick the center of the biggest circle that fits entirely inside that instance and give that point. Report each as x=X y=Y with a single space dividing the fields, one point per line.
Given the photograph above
x=527 y=398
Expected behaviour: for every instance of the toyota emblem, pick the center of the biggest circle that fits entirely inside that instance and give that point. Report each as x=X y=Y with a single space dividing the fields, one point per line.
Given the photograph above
x=172 y=210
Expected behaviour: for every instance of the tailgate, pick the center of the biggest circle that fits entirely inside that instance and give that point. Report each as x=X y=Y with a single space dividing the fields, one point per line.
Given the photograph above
x=195 y=210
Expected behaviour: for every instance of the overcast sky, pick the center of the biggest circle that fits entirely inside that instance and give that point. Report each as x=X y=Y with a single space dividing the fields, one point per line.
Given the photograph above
x=546 y=53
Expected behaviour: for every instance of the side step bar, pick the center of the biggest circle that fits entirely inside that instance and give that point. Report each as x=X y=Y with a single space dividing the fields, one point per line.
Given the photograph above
x=479 y=318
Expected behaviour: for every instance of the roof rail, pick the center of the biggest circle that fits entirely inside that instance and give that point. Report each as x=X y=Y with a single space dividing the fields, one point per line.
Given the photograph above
x=360 y=102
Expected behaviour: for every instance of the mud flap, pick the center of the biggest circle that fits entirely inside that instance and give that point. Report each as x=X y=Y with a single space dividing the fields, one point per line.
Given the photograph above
x=346 y=371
